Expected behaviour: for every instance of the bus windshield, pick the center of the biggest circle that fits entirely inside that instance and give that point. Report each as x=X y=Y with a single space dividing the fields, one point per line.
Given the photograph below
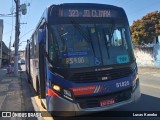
x=88 y=45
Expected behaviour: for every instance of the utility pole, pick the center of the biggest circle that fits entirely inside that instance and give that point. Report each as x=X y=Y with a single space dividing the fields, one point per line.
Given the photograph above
x=17 y=33
x=19 y=8
x=1 y=34
x=9 y=53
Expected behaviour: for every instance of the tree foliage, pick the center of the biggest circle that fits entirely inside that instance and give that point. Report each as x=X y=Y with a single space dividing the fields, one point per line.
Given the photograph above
x=146 y=29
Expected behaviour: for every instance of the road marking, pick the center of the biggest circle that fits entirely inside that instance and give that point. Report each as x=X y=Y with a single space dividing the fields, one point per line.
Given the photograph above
x=38 y=104
x=6 y=80
x=4 y=88
x=49 y=117
x=148 y=73
x=152 y=86
x=14 y=93
x=2 y=98
x=156 y=75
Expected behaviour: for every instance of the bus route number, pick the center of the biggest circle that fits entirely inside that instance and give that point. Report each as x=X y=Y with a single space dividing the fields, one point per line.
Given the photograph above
x=73 y=13
x=89 y=13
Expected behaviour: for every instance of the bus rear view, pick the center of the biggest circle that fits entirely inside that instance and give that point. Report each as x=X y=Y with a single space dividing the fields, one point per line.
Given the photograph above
x=90 y=64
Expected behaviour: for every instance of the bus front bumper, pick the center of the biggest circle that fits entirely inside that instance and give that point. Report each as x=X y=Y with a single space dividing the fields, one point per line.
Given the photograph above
x=61 y=105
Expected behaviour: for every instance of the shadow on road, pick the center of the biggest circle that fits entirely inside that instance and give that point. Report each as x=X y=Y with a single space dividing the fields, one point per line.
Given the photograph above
x=28 y=103
x=27 y=94
x=145 y=103
x=2 y=73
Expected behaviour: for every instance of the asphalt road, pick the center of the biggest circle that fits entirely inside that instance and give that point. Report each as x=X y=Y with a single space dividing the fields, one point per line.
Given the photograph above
x=149 y=101
x=150 y=91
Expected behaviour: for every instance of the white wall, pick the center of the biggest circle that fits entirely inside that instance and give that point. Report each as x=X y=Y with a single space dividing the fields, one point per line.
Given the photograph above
x=144 y=56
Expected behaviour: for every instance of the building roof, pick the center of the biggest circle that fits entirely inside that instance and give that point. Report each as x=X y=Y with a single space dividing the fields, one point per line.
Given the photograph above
x=5 y=49
x=1 y=22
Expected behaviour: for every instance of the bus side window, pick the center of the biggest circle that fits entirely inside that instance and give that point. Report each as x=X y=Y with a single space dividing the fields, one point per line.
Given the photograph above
x=31 y=49
x=36 y=45
x=52 y=47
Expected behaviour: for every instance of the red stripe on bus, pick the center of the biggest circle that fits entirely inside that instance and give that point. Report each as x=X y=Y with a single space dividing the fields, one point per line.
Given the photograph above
x=101 y=88
x=52 y=93
x=83 y=90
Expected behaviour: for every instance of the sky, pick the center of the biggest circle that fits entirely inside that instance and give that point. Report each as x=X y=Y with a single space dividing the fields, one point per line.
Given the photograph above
x=135 y=9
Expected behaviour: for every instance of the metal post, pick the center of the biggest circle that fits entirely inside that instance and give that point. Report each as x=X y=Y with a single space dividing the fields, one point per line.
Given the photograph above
x=17 y=32
x=9 y=53
x=1 y=34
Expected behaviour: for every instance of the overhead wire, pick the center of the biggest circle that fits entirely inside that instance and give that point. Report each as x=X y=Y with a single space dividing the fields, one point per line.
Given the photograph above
x=9 y=15
x=144 y=8
x=126 y=3
x=12 y=25
x=27 y=15
x=123 y=3
x=26 y=33
x=23 y=17
x=117 y=2
x=7 y=23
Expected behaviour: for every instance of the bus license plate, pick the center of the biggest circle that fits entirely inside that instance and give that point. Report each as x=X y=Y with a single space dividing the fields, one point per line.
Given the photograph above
x=107 y=102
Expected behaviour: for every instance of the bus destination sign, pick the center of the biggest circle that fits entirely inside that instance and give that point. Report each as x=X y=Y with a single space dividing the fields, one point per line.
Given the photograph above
x=85 y=13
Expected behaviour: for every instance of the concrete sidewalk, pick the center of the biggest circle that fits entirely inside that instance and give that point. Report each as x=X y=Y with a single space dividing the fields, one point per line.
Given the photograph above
x=149 y=71
x=10 y=92
x=142 y=69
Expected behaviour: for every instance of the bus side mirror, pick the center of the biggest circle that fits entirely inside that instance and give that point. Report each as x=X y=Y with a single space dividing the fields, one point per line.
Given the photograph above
x=41 y=35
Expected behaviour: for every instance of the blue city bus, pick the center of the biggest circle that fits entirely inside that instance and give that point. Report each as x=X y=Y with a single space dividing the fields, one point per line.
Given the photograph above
x=80 y=58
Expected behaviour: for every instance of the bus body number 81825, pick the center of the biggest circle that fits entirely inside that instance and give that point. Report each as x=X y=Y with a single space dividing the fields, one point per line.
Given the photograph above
x=122 y=84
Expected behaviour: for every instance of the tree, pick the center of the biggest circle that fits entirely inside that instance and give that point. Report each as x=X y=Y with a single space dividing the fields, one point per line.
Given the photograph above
x=146 y=29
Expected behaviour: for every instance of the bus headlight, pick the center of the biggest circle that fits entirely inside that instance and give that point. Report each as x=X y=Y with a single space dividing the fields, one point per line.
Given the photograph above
x=135 y=81
x=56 y=88
x=63 y=92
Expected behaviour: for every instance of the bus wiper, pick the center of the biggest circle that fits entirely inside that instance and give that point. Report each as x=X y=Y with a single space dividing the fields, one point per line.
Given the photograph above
x=85 y=36
x=110 y=38
x=112 y=30
x=106 y=43
x=91 y=41
x=80 y=30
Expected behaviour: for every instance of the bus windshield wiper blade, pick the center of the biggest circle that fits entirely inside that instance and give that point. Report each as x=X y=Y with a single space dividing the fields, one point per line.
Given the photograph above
x=79 y=28
x=85 y=36
x=112 y=29
x=106 y=43
x=91 y=42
